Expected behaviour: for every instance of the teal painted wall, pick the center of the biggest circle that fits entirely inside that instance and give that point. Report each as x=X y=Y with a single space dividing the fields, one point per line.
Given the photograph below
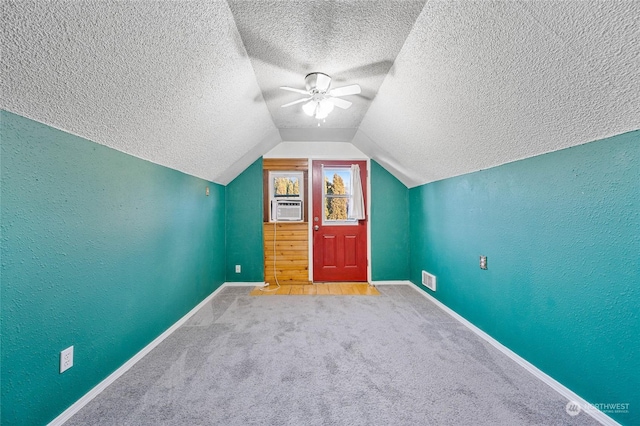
x=389 y=226
x=100 y=250
x=561 y=232
x=244 y=225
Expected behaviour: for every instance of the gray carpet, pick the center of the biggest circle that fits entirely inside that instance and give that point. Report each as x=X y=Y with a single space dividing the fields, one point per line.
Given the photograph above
x=394 y=359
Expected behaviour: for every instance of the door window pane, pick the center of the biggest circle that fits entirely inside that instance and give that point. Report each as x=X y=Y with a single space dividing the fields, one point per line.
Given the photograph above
x=336 y=194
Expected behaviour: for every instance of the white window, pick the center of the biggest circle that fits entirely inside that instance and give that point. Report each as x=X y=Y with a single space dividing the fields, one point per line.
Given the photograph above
x=337 y=195
x=285 y=195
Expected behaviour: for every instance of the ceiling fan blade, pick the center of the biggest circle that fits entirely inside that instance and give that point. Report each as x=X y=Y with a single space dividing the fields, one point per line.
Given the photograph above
x=353 y=89
x=340 y=103
x=295 y=102
x=291 y=89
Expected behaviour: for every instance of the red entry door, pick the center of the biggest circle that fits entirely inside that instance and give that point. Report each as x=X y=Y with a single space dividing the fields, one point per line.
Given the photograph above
x=339 y=243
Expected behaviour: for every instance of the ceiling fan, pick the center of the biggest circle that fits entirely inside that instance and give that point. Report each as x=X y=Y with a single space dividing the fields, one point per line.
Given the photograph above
x=321 y=98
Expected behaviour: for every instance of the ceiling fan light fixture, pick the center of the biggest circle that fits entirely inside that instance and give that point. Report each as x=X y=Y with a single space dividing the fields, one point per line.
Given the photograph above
x=322 y=99
x=324 y=109
x=321 y=115
x=310 y=108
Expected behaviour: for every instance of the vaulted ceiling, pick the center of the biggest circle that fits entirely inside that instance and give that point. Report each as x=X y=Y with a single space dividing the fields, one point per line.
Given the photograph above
x=448 y=87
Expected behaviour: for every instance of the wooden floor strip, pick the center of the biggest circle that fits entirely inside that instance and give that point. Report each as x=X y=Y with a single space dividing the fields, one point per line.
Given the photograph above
x=296 y=290
x=309 y=289
x=284 y=290
x=320 y=289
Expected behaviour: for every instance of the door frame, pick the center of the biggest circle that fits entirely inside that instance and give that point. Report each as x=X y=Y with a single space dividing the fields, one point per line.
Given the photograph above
x=311 y=201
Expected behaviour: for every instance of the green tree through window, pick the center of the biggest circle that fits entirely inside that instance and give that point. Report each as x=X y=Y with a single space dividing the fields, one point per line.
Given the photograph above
x=283 y=186
x=335 y=208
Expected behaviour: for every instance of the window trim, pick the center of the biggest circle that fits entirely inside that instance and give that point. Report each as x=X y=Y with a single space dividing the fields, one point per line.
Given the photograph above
x=271 y=176
x=325 y=196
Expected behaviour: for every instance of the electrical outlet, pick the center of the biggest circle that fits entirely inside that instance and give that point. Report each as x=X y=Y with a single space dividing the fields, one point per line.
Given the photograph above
x=66 y=359
x=238 y=269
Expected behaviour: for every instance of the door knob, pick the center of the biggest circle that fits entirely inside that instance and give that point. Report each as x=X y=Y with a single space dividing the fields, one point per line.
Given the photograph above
x=315 y=228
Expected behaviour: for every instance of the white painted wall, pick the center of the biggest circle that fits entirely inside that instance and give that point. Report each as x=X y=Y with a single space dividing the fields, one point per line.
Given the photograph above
x=316 y=150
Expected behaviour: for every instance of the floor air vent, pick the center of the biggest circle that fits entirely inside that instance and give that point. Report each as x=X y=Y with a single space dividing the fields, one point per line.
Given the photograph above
x=429 y=281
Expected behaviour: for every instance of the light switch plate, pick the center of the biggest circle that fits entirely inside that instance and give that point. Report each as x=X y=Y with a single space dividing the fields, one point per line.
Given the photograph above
x=483 y=262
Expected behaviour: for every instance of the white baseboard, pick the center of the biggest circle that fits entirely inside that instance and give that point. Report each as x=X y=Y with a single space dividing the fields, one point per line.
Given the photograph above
x=554 y=384
x=77 y=406
x=396 y=282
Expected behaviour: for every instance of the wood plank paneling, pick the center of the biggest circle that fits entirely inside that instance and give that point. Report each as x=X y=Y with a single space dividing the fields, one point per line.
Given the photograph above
x=291 y=253
x=286 y=227
x=285 y=164
x=290 y=256
x=285 y=246
x=289 y=236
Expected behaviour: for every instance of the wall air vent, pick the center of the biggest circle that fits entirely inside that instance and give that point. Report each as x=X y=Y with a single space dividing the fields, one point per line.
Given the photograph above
x=429 y=280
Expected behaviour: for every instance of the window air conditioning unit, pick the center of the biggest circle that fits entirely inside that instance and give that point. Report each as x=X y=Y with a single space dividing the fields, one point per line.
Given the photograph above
x=286 y=210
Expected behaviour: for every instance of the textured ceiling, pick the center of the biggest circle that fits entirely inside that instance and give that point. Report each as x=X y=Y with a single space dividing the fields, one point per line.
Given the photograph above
x=169 y=82
x=449 y=87
x=478 y=84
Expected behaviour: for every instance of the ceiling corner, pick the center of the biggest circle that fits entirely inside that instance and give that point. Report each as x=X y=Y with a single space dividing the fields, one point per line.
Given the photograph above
x=265 y=145
x=373 y=150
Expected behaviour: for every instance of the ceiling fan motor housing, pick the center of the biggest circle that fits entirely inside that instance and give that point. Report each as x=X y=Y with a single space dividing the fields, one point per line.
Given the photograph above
x=317 y=81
